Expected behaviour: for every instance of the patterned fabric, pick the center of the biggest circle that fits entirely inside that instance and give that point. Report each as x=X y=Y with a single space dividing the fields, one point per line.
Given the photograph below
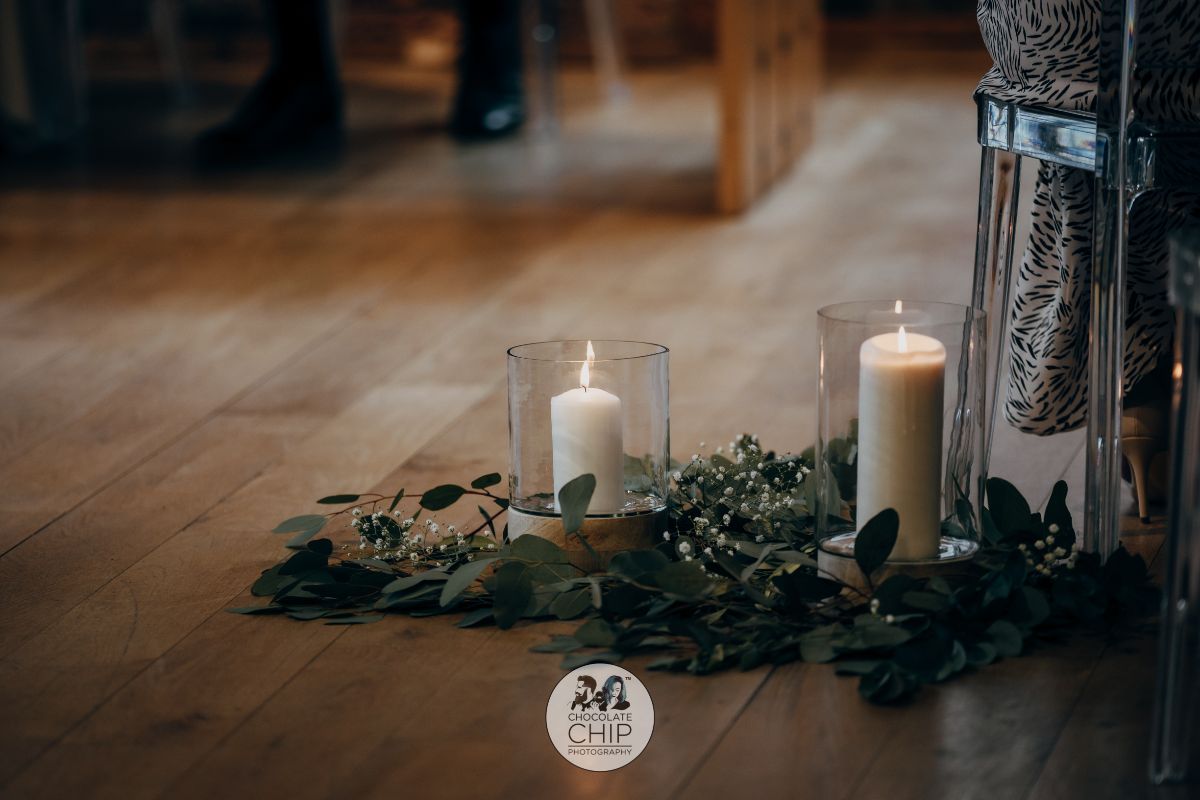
x=1045 y=54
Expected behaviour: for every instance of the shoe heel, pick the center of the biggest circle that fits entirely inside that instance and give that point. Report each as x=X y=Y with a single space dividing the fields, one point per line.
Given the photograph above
x=1139 y=451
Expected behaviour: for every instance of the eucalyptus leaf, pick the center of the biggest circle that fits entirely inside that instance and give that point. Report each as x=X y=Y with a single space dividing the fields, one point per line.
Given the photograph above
x=534 y=548
x=875 y=541
x=1006 y=638
x=364 y=619
x=440 y=497
x=573 y=501
x=305 y=522
x=514 y=588
x=1009 y=510
x=683 y=579
x=339 y=499
x=569 y=605
x=462 y=578
x=257 y=610
x=596 y=633
x=476 y=617
x=484 y=481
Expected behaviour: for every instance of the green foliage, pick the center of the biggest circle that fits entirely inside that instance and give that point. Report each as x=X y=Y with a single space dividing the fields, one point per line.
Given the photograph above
x=875 y=541
x=573 y=500
x=440 y=497
x=735 y=587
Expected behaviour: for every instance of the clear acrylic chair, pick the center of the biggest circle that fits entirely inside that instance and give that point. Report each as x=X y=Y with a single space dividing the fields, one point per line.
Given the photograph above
x=1129 y=158
x=1175 y=695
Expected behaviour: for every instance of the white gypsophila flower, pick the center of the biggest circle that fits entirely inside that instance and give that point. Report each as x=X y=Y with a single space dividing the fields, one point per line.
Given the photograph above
x=687 y=558
x=666 y=536
x=760 y=538
x=1053 y=528
x=491 y=546
x=677 y=476
x=357 y=512
x=1022 y=547
x=725 y=519
x=728 y=491
x=889 y=619
x=1048 y=557
x=1039 y=544
x=1049 y=540
x=695 y=458
x=708 y=551
x=685 y=548
x=1058 y=551
x=874 y=604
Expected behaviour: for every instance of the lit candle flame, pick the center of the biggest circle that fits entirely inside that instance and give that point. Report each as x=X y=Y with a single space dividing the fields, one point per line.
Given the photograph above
x=585 y=372
x=899 y=307
x=902 y=340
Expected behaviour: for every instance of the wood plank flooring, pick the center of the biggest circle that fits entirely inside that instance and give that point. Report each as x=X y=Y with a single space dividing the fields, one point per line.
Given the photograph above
x=184 y=361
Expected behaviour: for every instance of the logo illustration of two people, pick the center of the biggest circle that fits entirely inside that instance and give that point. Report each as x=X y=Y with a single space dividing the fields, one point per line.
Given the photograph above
x=611 y=697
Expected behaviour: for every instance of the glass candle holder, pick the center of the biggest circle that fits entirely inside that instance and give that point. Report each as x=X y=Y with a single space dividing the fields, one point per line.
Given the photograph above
x=901 y=425
x=589 y=407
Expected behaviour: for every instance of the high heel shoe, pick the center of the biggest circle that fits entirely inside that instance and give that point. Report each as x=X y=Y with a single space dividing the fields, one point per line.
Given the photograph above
x=1145 y=427
x=1144 y=445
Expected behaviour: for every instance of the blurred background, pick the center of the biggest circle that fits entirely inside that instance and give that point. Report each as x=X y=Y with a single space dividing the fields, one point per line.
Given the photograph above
x=702 y=173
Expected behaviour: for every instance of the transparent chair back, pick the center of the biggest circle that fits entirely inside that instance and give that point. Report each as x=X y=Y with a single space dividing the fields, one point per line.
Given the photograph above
x=1133 y=149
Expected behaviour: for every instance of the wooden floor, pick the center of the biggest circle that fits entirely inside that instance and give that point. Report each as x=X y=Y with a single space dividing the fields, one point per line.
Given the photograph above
x=185 y=361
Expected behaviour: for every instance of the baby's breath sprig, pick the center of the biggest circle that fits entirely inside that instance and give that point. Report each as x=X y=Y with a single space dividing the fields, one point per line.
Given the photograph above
x=738 y=495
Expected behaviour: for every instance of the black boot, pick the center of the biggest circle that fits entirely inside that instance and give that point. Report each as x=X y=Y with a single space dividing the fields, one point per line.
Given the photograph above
x=295 y=109
x=491 y=100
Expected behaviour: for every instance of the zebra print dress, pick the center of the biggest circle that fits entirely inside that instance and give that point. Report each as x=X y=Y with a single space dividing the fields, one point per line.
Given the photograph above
x=1045 y=53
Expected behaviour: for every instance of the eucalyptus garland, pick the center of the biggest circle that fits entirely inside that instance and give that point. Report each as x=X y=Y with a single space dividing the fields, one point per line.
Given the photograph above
x=734 y=583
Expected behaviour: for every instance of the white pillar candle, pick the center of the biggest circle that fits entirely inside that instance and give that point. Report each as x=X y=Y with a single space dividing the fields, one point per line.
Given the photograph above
x=585 y=428
x=901 y=383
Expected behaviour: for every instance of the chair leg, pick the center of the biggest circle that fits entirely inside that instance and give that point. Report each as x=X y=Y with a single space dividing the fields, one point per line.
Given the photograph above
x=1105 y=369
x=1175 y=693
x=542 y=19
x=606 y=47
x=999 y=189
x=166 y=20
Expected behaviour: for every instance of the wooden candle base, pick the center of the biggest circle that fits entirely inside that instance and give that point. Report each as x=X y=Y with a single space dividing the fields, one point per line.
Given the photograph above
x=606 y=535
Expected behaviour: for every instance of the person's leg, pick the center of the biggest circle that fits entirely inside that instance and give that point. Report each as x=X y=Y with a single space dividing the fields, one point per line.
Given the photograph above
x=490 y=100
x=296 y=106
